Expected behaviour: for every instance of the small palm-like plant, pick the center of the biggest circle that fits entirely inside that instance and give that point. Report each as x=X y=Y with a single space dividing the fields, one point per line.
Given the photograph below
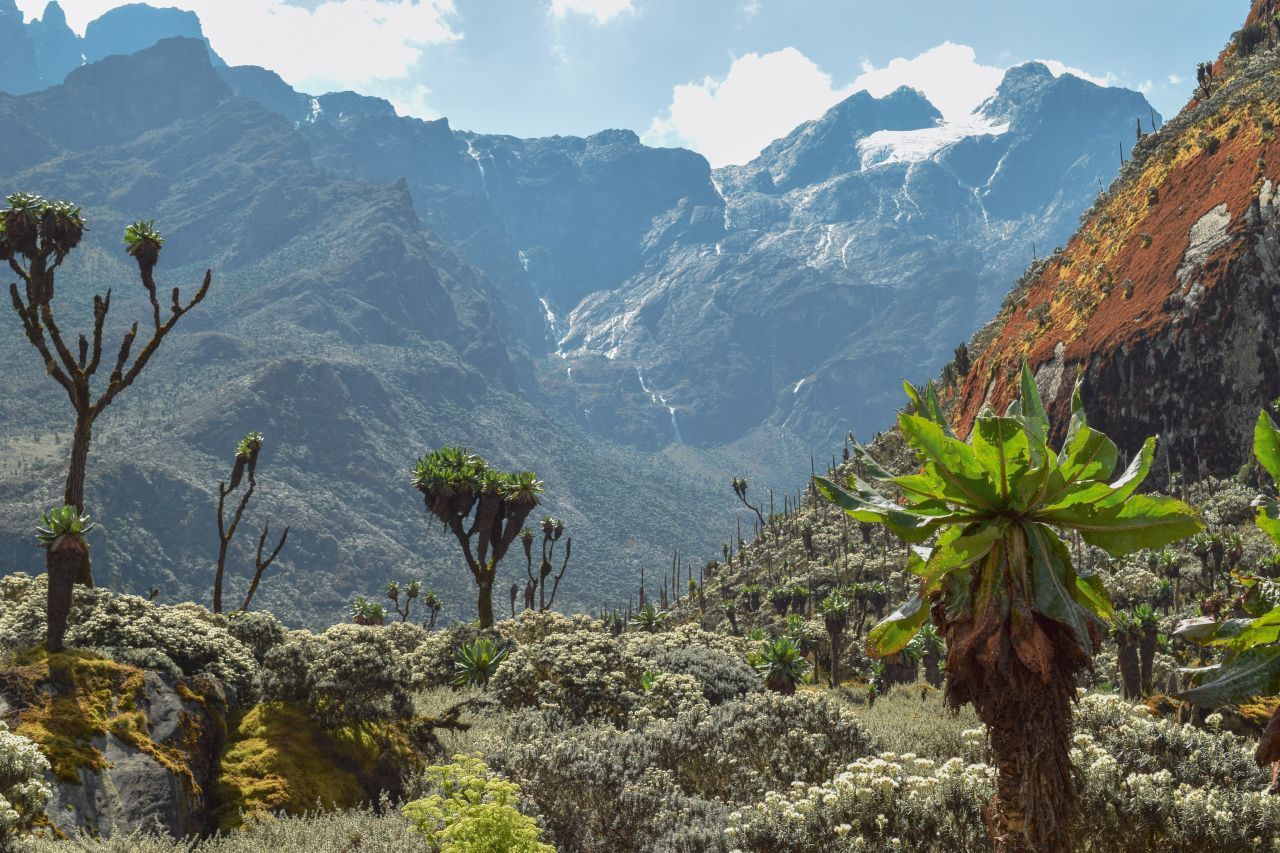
x=366 y=612
x=651 y=620
x=142 y=240
x=928 y=647
x=781 y=665
x=477 y=662
x=835 y=616
x=1019 y=620
x=61 y=533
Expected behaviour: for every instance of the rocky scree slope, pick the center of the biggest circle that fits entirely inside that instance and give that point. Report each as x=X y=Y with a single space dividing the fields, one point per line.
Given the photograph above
x=1167 y=296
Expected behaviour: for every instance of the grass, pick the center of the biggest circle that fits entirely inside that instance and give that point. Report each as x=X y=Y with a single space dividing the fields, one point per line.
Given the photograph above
x=913 y=718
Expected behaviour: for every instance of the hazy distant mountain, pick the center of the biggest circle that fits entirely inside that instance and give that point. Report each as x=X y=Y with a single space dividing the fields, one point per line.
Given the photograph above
x=40 y=53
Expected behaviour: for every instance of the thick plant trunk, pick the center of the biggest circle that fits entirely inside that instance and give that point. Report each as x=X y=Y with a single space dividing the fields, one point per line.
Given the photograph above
x=484 y=602
x=1146 y=657
x=74 y=494
x=835 y=657
x=1130 y=669
x=933 y=669
x=64 y=562
x=1021 y=682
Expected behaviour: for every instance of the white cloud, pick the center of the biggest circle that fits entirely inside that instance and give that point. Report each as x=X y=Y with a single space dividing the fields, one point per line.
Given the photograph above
x=412 y=100
x=765 y=97
x=1175 y=80
x=762 y=98
x=601 y=10
x=335 y=44
x=1059 y=68
x=949 y=75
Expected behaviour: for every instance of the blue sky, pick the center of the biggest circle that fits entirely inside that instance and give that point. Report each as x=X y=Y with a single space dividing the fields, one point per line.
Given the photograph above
x=721 y=76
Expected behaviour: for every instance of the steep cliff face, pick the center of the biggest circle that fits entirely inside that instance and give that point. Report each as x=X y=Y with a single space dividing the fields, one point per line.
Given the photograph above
x=1169 y=295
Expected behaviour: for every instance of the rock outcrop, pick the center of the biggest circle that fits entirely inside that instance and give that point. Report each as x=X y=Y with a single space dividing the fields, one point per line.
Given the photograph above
x=1169 y=295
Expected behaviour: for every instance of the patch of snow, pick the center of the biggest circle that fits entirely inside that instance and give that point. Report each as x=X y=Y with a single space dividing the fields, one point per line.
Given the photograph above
x=800 y=384
x=913 y=146
x=524 y=259
x=475 y=155
x=314 y=115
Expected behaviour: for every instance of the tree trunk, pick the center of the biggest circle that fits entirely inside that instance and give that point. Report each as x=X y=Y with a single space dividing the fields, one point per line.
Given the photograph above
x=64 y=562
x=74 y=495
x=835 y=657
x=1147 y=656
x=933 y=669
x=1021 y=682
x=1130 y=669
x=484 y=602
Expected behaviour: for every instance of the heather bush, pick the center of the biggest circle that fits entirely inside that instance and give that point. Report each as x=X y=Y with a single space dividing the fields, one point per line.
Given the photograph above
x=181 y=640
x=350 y=673
x=583 y=674
x=257 y=629
x=599 y=785
x=716 y=662
x=23 y=791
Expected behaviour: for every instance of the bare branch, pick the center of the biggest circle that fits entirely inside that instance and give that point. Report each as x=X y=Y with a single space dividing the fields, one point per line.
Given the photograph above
x=260 y=565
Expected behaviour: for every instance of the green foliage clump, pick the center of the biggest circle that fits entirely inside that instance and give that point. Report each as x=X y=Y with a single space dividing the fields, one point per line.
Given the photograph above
x=473 y=811
x=477 y=662
x=780 y=664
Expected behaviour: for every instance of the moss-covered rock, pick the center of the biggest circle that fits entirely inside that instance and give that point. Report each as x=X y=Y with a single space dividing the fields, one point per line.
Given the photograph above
x=278 y=759
x=127 y=747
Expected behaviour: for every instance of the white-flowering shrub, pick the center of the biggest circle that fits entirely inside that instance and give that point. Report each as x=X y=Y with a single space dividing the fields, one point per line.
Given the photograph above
x=596 y=785
x=717 y=662
x=583 y=674
x=181 y=640
x=350 y=673
x=23 y=791
x=258 y=630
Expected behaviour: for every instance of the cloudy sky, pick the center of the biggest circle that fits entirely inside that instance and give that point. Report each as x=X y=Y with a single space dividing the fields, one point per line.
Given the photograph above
x=724 y=77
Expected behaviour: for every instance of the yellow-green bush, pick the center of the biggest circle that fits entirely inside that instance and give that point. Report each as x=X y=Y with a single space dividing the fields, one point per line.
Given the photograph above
x=473 y=812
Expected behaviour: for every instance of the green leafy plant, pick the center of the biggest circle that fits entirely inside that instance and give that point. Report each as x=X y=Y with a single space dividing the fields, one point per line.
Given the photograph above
x=1249 y=645
x=477 y=662
x=483 y=508
x=781 y=665
x=651 y=620
x=366 y=612
x=473 y=811
x=1018 y=618
x=61 y=534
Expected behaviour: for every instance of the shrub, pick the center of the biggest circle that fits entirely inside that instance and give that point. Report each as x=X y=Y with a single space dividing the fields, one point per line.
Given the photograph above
x=181 y=640
x=473 y=812
x=662 y=783
x=716 y=661
x=258 y=630
x=23 y=791
x=350 y=673
x=584 y=674
x=477 y=662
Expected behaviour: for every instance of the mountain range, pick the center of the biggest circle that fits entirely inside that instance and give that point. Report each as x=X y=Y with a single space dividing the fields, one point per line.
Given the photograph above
x=629 y=322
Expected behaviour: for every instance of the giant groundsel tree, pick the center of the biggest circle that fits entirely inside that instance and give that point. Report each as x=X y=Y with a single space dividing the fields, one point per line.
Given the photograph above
x=36 y=236
x=484 y=508
x=1019 y=619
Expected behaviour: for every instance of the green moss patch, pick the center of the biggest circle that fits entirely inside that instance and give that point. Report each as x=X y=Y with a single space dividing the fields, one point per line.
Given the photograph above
x=70 y=698
x=277 y=759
